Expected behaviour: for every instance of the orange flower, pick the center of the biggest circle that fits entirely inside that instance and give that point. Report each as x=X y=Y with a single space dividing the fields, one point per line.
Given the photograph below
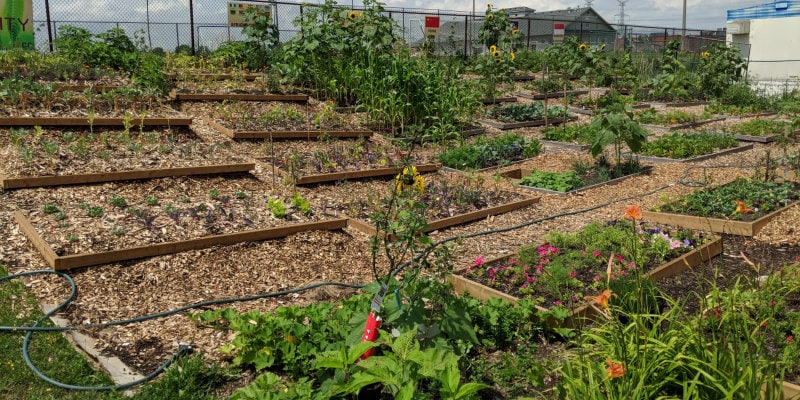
x=602 y=298
x=633 y=212
x=741 y=208
x=615 y=370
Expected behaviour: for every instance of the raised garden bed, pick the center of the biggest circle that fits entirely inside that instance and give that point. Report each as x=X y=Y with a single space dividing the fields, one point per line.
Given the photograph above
x=450 y=201
x=504 y=126
x=690 y=146
x=276 y=120
x=673 y=119
x=499 y=100
x=576 y=136
x=762 y=130
x=552 y=95
x=587 y=181
x=536 y=272
x=741 y=207
x=484 y=153
x=221 y=76
x=113 y=222
x=100 y=121
x=45 y=156
x=301 y=98
x=463 y=132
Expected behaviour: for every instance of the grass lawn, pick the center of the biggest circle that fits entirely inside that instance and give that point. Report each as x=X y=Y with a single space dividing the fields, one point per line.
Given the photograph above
x=56 y=358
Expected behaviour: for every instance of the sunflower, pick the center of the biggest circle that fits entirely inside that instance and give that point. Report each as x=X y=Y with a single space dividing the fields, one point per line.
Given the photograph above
x=490 y=17
x=513 y=56
x=705 y=54
x=499 y=60
x=353 y=15
x=409 y=179
x=492 y=48
x=515 y=31
x=582 y=47
x=496 y=53
x=602 y=47
x=489 y=5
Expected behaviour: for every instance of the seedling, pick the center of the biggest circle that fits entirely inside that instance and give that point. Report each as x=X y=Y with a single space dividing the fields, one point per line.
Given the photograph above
x=50 y=209
x=301 y=203
x=277 y=207
x=119 y=231
x=213 y=193
x=151 y=200
x=94 y=211
x=118 y=201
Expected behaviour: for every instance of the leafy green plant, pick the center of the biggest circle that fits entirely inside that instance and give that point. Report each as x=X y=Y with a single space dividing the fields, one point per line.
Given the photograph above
x=213 y=194
x=757 y=197
x=672 y=117
x=302 y=204
x=720 y=67
x=527 y=112
x=688 y=144
x=558 y=181
x=118 y=201
x=762 y=127
x=50 y=208
x=94 y=211
x=615 y=125
x=484 y=153
x=569 y=133
x=151 y=200
x=277 y=207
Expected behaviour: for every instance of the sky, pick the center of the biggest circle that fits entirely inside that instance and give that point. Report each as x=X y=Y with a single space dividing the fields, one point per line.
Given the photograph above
x=700 y=14
x=170 y=18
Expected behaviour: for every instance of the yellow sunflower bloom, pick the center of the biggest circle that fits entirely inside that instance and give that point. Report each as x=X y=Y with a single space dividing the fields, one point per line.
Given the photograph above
x=582 y=47
x=489 y=5
x=706 y=54
x=492 y=48
x=409 y=179
x=499 y=60
x=515 y=30
x=353 y=14
x=496 y=53
x=513 y=56
x=603 y=46
x=490 y=17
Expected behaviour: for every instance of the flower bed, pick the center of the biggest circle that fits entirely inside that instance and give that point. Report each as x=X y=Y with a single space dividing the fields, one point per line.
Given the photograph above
x=741 y=207
x=486 y=153
x=567 y=269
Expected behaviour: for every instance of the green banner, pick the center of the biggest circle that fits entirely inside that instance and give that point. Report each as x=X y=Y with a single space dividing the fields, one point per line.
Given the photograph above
x=16 y=24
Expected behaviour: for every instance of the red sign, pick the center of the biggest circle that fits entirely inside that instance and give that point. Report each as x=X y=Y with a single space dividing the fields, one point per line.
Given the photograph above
x=558 y=33
x=431 y=26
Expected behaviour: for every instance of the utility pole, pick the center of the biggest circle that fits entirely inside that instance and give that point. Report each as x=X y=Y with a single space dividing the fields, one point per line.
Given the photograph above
x=621 y=11
x=683 y=26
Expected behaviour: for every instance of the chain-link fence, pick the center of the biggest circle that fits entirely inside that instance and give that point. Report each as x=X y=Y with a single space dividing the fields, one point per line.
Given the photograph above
x=202 y=25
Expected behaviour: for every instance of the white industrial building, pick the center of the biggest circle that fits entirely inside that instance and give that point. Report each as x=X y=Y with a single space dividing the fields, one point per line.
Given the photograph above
x=770 y=33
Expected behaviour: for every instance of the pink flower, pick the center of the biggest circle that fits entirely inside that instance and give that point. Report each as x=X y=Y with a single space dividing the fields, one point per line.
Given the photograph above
x=539 y=270
x=595 y=253
x=478 y=261
x=524 y=285
x=490 y=271
x=619 y=257
x=573 y=274
x=544 y=261
x=596 y=278
x=557 y=303
x=530 y=279
x=574 y=299
x=542 y=250
x=674 y=244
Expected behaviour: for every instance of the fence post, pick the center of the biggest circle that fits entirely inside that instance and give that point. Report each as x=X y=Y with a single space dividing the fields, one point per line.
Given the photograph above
x=49 y=29
x=466 y=35
x=177 y=36
x=191 y=23
x=528 y=35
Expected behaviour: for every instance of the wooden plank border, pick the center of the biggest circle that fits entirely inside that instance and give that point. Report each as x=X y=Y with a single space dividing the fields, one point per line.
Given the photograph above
x=716 y=225
x=369 y=173
x=686 y=125
x=219 y=77
x=456 y=219
x=80 y=121
x=565 y=145
x=78 y=179
x=525 y=124
x=86 y=260
x=552 y=95
x=301 y=98
x=520 y=173
x=300 y=134
x=732 y=150
x=579 y=314
x=498 y=100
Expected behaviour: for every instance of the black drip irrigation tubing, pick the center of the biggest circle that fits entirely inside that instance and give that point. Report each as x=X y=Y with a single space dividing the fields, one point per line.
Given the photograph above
x=184 y=349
